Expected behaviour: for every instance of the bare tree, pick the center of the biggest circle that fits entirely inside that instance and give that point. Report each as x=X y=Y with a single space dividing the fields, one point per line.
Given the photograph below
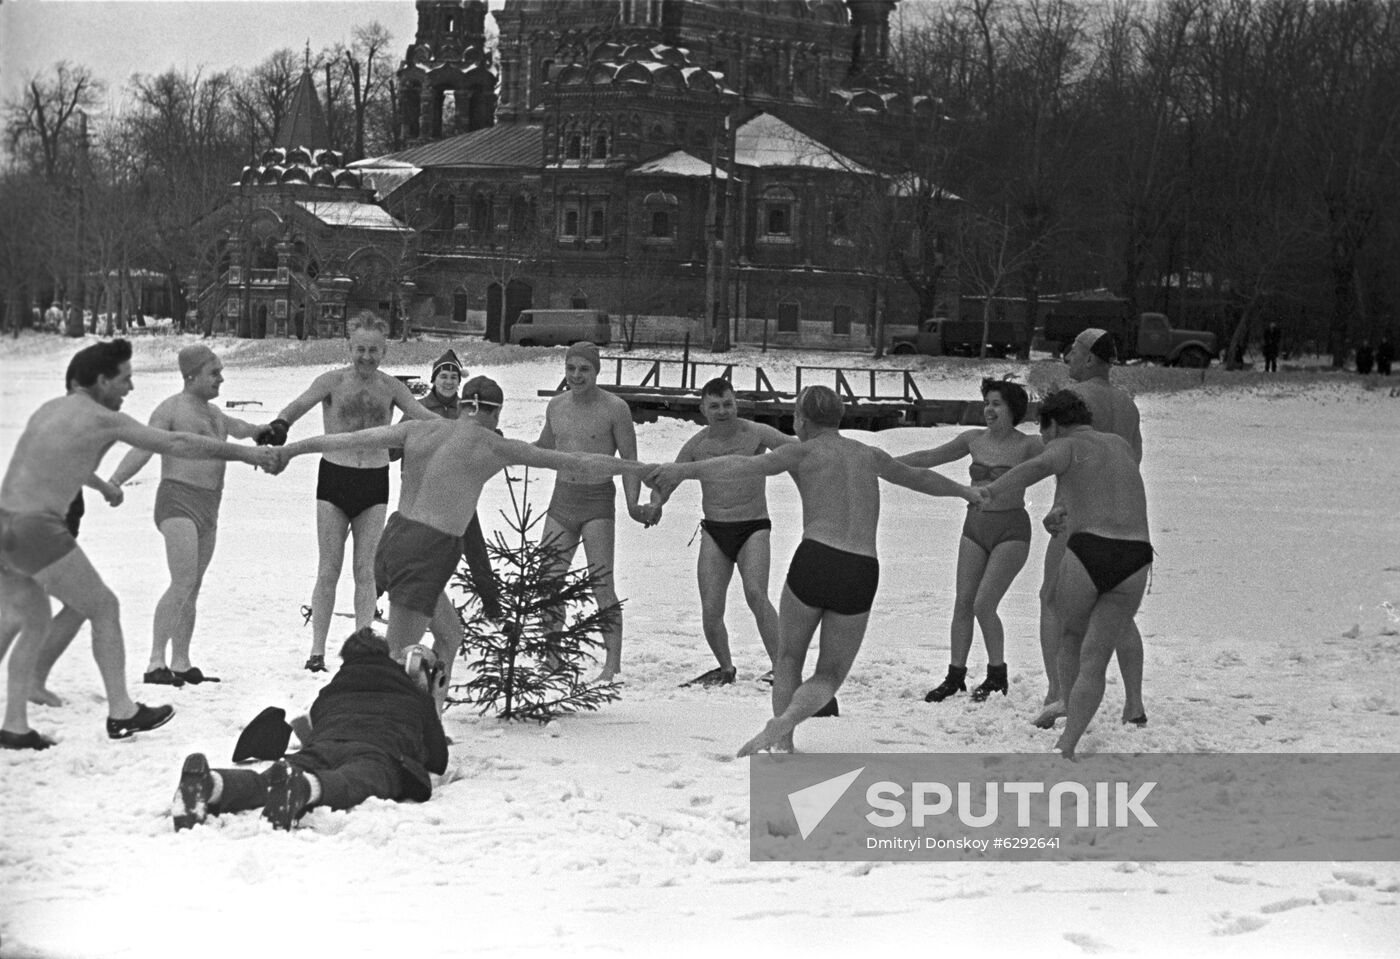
x=42 y=121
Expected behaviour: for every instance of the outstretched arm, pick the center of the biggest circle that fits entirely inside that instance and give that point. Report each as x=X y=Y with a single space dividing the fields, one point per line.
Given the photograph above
x=319 y=389
x=135 y=457
x=951 y=451
x=1055 y=460
x=515 y=452
x=920 y=480
x=190 y=446
x=730 y=467
x=772 y=438
x=374 y=438
x=625 y=439
x=241 y=429
x=660 y=494
x=110 y=492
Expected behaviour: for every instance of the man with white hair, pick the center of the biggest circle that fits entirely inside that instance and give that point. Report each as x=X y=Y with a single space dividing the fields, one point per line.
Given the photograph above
x=352 y=486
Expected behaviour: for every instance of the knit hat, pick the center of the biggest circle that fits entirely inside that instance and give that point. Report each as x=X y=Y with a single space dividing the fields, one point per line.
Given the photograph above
x=193 y=357
x=587 y=351
x=448 y=361
x=1098 y=343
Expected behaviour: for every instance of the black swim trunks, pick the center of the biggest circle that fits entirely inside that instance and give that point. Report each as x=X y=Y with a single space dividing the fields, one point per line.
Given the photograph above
x=730 y=537
x=1109 y=561
x=824 y=577
x=352 y=490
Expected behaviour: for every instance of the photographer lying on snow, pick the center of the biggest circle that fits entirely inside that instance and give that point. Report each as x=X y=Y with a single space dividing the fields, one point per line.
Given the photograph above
x=375 y=731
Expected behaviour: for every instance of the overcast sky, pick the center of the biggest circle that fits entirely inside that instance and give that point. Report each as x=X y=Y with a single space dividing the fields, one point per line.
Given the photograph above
x=116 y=38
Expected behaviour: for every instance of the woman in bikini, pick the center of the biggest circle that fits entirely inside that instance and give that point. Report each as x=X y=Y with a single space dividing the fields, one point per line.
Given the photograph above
x=995 y=540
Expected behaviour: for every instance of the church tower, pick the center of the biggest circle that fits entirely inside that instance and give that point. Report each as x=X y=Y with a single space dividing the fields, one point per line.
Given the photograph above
x=447 y=82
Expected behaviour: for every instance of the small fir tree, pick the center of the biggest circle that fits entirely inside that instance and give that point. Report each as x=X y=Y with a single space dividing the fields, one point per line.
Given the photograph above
x=530 y=664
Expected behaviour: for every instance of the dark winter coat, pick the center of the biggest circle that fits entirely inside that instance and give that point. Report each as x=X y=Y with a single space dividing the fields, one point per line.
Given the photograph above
x=371 y=701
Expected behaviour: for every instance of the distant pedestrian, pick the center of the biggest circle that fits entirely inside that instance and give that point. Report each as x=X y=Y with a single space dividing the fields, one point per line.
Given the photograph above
x=1272 y=336
x=1365 y=358
x=1385 y=355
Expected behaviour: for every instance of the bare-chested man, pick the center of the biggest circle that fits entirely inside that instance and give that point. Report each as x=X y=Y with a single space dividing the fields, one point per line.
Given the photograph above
x=834 y=573
x=1104 y=567
x=352 y=487
x=736 y=526
x=63 y=628
x=186 y=510
x=1113 y=411
x=586 y=419
x=446 y=462
x=61 y=446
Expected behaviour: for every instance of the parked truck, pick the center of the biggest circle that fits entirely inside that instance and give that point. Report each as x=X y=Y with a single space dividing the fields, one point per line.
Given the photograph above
x=944 y=337
x=1147 y=336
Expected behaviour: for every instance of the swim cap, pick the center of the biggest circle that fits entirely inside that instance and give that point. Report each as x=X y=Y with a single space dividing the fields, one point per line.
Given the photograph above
x=193 y=357
x=1099 y=343
x=482 y=391
x=587 y=351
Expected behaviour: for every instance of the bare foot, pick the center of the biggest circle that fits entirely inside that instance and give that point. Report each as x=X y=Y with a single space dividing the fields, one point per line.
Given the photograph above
x=1045 y=719
x=1064 y=750
x=776 y=737
x=43 y=696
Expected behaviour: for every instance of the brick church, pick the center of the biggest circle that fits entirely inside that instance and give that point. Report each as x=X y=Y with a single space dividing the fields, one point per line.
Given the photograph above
x=687 y=166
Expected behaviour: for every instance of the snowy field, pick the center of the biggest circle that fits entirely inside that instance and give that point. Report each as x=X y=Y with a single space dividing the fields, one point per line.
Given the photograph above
x=1275 y=512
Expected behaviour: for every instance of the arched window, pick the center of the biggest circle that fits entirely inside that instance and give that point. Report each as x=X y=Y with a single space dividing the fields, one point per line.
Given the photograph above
x=597 y=221
x=573 y=147
x=660 y=215
x=600 y=146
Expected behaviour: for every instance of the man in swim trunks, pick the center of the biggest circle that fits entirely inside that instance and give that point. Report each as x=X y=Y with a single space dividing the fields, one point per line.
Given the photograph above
x=352 y=488
x=446 y=462
x=1104 y=568
x=586 y=419
x=63 y=628
x=834 y=573
x=1113 y=411
x=60 y=447
x=736 y=526
x=186 y=510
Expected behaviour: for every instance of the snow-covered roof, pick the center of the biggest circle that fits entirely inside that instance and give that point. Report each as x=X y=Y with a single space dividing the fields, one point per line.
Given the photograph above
x=383 y=175
x=678 y=163
x=766 y=141
x=347 y=213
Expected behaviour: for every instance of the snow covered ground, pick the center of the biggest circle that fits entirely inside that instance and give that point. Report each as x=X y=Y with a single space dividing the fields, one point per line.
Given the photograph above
x=1274 y=512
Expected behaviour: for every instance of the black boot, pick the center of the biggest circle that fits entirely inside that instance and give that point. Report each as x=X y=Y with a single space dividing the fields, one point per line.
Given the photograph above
x=994 y=683
x=952 y=683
